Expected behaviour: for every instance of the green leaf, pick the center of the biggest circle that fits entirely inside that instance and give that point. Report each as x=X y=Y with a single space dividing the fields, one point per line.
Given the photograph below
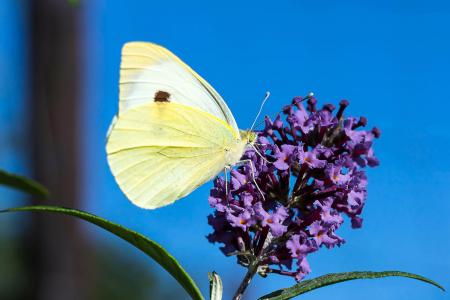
x=149 y=247
x=23 y=184
x=74 y=3
x=312 y=284
x=215 y=286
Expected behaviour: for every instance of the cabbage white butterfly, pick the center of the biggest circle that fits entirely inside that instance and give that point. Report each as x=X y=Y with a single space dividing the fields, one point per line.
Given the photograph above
x=173 y=131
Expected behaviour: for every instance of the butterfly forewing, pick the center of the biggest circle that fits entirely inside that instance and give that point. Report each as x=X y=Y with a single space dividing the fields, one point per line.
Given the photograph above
x=148 y=69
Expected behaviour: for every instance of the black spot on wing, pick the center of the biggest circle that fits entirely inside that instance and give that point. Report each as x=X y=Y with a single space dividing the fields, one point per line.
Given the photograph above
x=161 y=96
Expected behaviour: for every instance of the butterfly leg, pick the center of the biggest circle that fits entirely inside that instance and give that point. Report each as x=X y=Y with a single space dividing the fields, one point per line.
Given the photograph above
x=225 y=173
x=252 y=173
x=259 y=153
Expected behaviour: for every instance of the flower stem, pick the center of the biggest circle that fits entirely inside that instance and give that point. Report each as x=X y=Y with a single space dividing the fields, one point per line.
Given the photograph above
x=252 y=268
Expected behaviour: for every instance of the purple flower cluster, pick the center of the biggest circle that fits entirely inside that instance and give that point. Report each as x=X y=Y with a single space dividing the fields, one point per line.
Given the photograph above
x=309 y=172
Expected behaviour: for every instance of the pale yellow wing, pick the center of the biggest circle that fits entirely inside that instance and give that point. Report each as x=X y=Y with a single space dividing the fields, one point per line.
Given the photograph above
x=160 y=152
x=148 y=69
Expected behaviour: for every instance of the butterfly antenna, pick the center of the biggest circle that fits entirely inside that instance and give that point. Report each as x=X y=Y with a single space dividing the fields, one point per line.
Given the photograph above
x=310 y=94
x=260 y=110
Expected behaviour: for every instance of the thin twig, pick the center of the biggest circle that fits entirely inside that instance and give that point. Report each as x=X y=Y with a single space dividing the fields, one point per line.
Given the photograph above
x=252 y=268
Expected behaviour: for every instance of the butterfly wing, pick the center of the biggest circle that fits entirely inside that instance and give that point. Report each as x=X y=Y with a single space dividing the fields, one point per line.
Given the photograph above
x=160 y=152
x=148 y=69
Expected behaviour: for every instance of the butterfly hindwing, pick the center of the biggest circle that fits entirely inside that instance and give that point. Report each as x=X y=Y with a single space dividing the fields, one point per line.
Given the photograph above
x=159 y=152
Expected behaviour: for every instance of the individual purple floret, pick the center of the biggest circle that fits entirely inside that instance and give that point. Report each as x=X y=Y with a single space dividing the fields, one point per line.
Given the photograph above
x=309 y=172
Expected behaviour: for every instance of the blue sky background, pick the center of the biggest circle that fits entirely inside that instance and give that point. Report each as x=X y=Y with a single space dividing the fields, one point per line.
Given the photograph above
x=391 y=59
x=13 y=91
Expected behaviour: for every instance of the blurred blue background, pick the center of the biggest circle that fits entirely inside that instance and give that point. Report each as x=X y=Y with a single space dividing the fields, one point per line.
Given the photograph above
x=389 y=58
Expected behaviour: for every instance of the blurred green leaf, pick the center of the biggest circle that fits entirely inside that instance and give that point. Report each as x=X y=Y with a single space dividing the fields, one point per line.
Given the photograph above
x=215 y=286
x=23 y=184
x=149 y=247
x=140 y=281
x=74 y=3
x=329 y=279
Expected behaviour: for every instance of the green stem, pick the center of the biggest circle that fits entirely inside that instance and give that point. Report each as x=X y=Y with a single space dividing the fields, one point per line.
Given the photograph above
x=252 y=268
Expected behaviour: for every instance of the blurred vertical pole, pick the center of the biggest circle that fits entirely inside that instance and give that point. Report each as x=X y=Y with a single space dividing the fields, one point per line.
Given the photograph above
x=56 y=262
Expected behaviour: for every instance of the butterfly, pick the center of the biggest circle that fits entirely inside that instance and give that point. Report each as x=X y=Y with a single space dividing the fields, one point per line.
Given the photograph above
x=173 y=131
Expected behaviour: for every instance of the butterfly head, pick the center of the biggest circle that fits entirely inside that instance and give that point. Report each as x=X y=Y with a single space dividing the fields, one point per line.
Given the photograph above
x=248 y=136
